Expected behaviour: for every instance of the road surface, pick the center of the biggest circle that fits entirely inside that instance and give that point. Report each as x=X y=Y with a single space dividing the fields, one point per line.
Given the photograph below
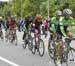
x=11 y=55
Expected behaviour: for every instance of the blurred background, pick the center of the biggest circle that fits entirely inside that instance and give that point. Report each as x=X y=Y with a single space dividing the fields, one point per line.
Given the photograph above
x=22 y=8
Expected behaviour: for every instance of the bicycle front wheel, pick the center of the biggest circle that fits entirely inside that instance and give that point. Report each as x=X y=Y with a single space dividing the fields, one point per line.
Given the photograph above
x=41 y=48
x=33 y=47
x=24 y=45
x=71 y=57
x=51 y=49
x=30 y=42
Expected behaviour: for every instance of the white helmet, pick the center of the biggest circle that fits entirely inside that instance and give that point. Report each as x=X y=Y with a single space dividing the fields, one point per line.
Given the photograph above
x=58 y=13
x=67 y=12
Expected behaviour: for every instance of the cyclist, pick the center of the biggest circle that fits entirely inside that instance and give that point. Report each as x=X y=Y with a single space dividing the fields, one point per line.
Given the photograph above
x=12 y=28
x=66 y=30
x=55 y=28
x=27 y=22
x=36 y=24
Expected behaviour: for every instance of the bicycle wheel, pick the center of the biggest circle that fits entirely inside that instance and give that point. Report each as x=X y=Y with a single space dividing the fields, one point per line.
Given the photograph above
x=15 y=40
x=65 y=53
x=30 y=42
x=55 y=57
x=33 y=47
x=25 y=44
x=1 y=35
x=70 y=57
x=41 y=48
x=50 y=49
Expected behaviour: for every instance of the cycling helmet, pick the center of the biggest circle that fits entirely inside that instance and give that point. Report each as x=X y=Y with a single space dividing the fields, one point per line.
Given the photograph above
x=28 y=18
x=58 y=13
x=67 y=12
x=38 y=17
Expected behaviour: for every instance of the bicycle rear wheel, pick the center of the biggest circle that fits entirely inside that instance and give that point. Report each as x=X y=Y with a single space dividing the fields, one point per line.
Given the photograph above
x=41 y=48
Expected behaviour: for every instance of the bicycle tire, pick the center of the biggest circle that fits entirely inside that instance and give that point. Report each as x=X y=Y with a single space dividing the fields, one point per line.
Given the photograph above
x=55 y=58
x=50 y=50
x=43 y=47
x=70 y=54
x=30 y=46
x=24 y=45
x=33 y=47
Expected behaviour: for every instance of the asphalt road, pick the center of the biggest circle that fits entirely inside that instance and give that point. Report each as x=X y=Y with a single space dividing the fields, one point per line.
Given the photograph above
x=11 y=55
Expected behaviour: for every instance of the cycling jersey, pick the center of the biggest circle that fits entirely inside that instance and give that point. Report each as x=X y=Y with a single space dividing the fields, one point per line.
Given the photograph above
x=45 y=22
x=12 y=23
x=6 y=24
x=1 y=24
x=70 y=22
x=37 y=23
x=54 y=25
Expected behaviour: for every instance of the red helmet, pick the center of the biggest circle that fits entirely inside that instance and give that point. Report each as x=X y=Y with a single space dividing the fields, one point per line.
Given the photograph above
x=38 y=17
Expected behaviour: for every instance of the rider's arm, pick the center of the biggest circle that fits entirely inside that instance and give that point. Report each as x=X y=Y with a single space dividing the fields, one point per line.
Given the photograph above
x=53 y=20
x=51 y=26
x=73 y=27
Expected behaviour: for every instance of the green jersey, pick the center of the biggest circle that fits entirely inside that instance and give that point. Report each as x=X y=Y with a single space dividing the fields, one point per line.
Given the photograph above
x=70 y=22
x=53 y=22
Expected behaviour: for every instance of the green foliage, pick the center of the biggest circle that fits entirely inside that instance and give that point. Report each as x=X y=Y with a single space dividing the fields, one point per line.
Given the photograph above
x=22 y=8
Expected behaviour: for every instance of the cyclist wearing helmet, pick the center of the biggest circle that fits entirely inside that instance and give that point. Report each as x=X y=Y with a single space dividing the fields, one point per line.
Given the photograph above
x=54 y=27
x=65 y=28
x=37 y=22
x=12 y=25
x=27 y=22
x=54 y=24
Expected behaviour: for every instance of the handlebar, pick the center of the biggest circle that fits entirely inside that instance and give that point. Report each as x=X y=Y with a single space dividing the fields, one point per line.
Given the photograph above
x=73 y=38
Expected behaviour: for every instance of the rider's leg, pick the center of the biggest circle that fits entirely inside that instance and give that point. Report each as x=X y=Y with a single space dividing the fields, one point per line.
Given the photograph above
x=59 y=48
x=46 y=31
x=24 y=35
x=59 y=45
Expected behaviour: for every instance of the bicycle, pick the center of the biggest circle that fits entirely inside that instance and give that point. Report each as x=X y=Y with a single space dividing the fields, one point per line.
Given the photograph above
x=28 y=40
x=66 y=49
x=38 y=44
